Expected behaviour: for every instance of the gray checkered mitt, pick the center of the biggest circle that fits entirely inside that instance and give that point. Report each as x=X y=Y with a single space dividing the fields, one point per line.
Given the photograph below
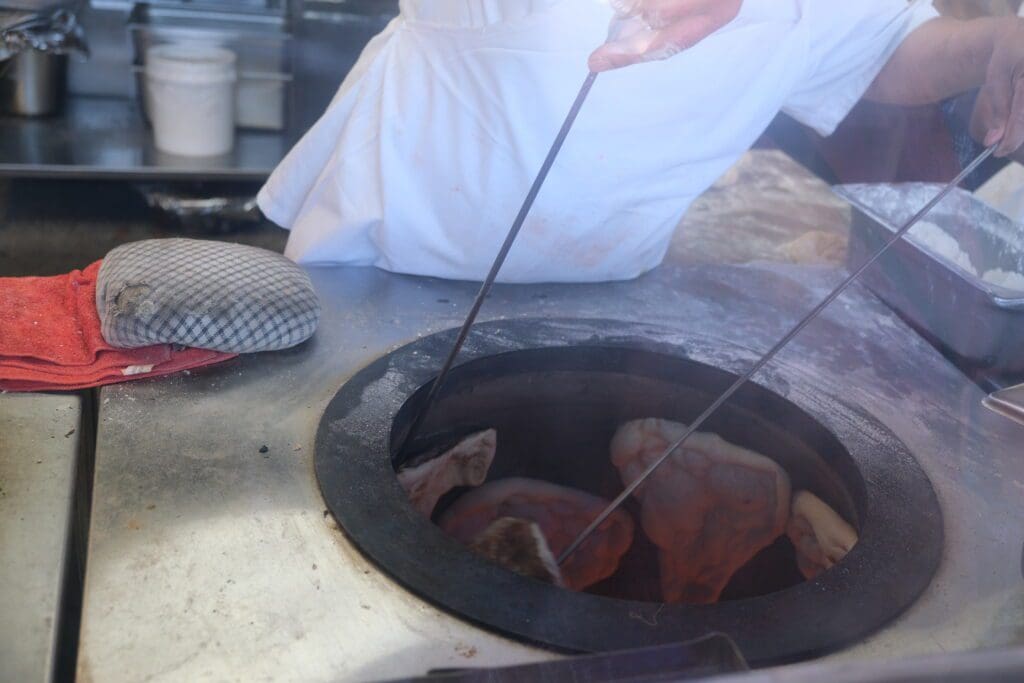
x=208 y=295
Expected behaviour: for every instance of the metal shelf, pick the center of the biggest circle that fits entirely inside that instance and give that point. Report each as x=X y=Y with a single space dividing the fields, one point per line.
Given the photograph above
x=107 y=138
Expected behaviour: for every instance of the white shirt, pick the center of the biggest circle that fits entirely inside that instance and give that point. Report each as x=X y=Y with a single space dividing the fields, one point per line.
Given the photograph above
x=422 y=160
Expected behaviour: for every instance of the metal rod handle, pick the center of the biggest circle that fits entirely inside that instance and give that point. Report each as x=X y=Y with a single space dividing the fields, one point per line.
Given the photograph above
x=499 y=261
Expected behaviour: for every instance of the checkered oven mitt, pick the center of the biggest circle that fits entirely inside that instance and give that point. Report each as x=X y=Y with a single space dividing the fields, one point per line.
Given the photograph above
x=208 y=295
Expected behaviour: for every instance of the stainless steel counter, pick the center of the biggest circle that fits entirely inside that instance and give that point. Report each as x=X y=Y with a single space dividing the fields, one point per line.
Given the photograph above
x=210 y=561
x=39 y=444
x=105 y=137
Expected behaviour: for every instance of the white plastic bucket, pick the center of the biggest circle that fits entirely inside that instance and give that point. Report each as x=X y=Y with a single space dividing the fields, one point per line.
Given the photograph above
x=190 y=96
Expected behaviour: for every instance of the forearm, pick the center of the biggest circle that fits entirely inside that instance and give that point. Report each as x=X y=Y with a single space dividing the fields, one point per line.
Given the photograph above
x=942 y=58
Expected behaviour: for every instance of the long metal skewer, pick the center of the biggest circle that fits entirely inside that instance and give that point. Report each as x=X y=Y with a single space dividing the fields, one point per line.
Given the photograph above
x=766 y=358
x=513 y=232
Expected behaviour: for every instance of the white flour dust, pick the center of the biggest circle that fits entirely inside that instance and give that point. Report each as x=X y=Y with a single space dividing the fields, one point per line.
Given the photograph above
x=941 y=244
x=1005 y=278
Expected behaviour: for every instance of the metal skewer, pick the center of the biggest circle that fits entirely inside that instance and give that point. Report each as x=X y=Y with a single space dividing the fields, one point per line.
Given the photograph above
x=766 y=358
x=513 y=232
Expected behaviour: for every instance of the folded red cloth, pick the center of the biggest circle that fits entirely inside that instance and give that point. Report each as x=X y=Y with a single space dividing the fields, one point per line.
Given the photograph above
x=50 y=338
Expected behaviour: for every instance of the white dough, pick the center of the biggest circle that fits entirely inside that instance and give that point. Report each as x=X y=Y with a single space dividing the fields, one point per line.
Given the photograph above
x=466 y=464
x=1005 y=278
x=822 y=538
x=941 y=244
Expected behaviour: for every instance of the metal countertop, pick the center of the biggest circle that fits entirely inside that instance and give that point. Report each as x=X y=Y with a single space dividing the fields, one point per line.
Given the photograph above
x=210 y=560
x=100 y=137
x=40 y=436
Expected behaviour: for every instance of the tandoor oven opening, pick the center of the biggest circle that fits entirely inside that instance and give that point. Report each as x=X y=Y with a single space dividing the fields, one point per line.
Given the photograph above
x=792 y=537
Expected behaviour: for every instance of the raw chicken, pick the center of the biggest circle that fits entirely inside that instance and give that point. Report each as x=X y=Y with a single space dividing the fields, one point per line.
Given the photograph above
x=466 y=464
x=519 y=546
x=822 y=538
x=709 y=508
x=561 y=513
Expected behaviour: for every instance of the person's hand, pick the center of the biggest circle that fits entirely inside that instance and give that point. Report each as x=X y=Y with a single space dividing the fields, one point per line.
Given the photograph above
x=999 y=113
x=658 y=29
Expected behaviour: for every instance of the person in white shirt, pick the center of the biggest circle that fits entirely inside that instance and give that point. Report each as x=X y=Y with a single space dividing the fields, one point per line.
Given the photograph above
x=424 y=156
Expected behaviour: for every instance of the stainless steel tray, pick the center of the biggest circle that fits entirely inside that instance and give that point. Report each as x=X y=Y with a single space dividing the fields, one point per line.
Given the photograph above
x=1008 y=402
x=980 y=324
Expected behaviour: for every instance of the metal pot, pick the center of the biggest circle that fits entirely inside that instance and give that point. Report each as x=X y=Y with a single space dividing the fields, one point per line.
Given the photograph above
x=32 y=83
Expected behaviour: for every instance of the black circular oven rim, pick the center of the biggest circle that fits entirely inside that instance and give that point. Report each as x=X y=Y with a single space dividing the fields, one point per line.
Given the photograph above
x=900 y=521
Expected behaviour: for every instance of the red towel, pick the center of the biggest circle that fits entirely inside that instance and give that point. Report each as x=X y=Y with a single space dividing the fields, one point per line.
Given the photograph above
x=50 y=338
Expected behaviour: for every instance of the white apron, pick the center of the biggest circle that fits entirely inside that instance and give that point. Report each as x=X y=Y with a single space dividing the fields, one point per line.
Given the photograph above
x=424 y=156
